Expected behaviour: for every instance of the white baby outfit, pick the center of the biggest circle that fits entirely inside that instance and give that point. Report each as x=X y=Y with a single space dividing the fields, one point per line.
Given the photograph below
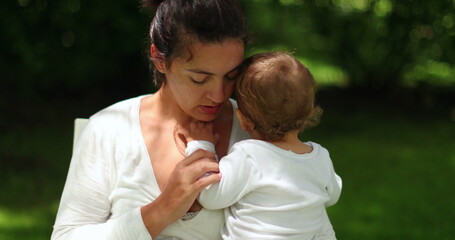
x=271 y=193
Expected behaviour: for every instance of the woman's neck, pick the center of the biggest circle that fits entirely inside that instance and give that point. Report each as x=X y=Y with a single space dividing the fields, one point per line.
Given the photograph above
x=167 y=108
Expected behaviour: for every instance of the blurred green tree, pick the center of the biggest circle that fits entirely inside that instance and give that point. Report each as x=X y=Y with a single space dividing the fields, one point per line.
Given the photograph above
x=379 y=43
x=69 y=50
x=61 y=50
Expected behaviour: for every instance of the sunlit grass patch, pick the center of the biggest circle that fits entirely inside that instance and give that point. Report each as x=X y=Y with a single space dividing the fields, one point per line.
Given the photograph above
x=27 y=223
x=34 y=163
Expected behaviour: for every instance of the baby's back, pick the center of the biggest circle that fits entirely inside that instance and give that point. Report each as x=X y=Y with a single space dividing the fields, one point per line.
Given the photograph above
x=288 y=197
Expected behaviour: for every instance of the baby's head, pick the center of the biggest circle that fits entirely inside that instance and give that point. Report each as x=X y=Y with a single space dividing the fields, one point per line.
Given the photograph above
x=275 y=92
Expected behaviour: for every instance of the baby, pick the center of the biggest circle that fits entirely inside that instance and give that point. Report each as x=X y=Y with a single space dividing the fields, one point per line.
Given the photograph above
x=273 y=186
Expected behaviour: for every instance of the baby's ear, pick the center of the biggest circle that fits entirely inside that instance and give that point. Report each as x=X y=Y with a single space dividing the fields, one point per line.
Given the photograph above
x=245 y=122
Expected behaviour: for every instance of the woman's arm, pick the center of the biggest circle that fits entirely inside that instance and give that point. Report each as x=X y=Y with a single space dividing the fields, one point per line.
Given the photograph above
x=184 y=185
x=84 y=211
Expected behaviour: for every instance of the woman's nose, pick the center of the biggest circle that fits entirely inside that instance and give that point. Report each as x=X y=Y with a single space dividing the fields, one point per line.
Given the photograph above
x=217 y=91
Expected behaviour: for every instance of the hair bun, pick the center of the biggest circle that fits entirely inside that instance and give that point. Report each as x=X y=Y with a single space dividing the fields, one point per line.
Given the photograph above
x=151 y=4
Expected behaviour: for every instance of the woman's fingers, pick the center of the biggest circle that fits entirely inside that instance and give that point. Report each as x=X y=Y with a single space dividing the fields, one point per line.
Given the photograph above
x=193 y=168
x=202 y=169
x=205 y=181
x=188 y=179
x=199 y=169
x=198 y=156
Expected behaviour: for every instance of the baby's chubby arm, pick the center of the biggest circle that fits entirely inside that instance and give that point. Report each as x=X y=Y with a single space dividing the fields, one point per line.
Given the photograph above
x=238 y=178
x=236 y=170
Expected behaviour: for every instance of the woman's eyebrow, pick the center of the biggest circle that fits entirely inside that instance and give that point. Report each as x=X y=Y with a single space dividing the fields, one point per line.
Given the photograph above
x=235 y=69
x=198 y=71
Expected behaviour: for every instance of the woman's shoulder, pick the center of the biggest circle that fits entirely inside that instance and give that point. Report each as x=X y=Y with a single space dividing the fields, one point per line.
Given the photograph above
x=116 y=116
x=237 y=133
x=118 y=111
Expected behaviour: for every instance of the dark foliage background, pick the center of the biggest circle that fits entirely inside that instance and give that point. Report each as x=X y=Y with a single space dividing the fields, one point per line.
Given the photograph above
x=386 y=76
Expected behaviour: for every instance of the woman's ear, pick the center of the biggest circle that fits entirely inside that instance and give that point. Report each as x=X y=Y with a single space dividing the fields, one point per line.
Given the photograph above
x=245 y=123
x=157 y=58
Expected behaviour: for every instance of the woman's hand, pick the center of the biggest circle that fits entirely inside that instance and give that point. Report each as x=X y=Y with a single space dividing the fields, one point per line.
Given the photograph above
x=184 y=185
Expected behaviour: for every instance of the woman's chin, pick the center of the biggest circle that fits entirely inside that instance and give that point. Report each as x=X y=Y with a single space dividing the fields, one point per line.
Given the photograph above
x=206 y=117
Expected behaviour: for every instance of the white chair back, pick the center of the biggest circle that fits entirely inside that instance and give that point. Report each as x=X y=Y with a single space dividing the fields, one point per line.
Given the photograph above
x=79 y=125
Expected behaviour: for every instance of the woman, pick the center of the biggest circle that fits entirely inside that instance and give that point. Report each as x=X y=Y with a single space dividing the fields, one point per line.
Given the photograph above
x=128 y=177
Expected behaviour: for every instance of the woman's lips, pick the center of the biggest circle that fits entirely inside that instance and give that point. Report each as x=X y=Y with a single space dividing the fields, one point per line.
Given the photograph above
x=211 y=109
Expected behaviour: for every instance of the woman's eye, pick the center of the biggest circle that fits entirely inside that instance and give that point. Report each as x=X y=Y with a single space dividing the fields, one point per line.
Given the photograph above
x=197 y=81
x=233 y=75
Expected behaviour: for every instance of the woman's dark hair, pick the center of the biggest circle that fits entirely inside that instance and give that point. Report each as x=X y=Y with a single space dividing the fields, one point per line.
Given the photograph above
x=179 y=22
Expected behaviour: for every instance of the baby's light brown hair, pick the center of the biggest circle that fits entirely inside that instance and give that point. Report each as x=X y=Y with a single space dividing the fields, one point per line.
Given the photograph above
x=275 y=91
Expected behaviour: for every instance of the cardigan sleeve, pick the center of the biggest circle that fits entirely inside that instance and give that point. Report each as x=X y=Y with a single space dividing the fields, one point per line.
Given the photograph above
x=84 y=211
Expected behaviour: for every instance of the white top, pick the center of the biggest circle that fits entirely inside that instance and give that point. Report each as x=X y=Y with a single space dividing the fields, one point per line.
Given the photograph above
x=111 y=177
x=274 y=193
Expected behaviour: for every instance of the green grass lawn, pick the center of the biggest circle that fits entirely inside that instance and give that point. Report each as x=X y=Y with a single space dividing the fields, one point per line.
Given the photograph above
x=34 y=163
x=398 y=175
x=397 y=170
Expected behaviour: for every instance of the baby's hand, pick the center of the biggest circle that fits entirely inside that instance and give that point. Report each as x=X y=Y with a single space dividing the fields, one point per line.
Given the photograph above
x=201 y=131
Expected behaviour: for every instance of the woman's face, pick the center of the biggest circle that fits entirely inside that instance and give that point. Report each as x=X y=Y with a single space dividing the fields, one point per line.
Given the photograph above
x=203 y=80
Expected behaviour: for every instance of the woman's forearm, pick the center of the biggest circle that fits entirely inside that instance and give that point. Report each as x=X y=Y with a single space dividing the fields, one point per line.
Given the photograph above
x=156 y=217
x=183 y=187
